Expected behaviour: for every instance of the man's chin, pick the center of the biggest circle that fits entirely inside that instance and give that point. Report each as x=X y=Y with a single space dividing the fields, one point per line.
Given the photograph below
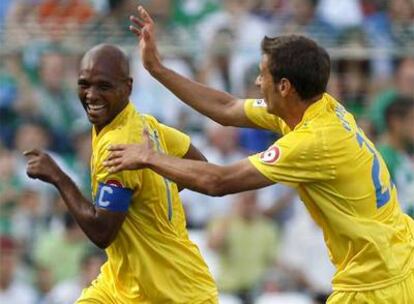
x=95 y=121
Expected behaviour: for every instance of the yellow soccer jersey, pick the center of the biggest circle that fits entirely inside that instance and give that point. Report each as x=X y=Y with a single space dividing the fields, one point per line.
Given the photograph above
x=346 y=187
x=151 y=259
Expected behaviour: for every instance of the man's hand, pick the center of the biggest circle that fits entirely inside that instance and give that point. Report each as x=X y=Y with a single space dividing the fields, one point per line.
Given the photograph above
x=144 y=30
x=129 y=156
x=40 y=165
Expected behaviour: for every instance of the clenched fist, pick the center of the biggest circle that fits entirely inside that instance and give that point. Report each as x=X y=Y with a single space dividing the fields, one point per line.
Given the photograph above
x=40 y=165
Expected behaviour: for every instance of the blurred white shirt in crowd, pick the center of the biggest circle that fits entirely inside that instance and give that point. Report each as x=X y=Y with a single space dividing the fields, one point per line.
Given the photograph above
x=18 y=293
x=150 y=97
x=332 y=11
x=301 y=235
x=66 y=292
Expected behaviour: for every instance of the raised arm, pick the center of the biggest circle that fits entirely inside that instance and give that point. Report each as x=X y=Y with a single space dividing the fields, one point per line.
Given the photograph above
x=100 y=225
x=219 y=106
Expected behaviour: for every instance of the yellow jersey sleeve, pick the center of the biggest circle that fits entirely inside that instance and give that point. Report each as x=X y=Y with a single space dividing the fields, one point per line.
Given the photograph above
x=298 y=157
x=177 y=143
x=256 y=112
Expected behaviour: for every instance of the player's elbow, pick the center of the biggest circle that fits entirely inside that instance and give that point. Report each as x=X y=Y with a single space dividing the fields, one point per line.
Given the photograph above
x=103 y=240
x=223 y=115
x=225 y=118
x=103 y=243
x=224 y=121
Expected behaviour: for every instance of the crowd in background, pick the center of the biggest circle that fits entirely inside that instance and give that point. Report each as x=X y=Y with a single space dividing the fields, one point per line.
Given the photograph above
x=261 y=246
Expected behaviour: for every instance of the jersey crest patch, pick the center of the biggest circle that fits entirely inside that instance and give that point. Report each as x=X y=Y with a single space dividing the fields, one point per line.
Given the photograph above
x=271 y=155
x=114 y=182
x=259 y=103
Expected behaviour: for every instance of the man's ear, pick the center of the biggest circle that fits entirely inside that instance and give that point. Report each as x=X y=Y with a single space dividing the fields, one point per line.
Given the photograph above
x=284 y=87
x=129 y=85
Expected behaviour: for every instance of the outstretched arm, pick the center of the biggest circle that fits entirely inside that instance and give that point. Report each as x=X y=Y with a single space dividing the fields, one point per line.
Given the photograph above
x=100 y=225
x=195 y=175
x=194 y=154
x=219 y=106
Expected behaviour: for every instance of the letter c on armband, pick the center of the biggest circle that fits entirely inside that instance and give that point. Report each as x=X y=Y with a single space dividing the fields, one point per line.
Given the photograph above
x=113 y=197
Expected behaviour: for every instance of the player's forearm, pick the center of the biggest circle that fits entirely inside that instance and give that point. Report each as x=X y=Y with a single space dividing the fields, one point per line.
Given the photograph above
x=83 y=211
x=195 y=175
x=210 y=102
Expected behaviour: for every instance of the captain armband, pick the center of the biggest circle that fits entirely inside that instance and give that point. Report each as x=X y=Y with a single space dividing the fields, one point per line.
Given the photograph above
x=112 y=197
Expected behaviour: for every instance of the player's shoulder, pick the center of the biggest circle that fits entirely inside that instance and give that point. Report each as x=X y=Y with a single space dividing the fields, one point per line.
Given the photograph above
x=150 y=119
x=128 y=133
x=302 y=137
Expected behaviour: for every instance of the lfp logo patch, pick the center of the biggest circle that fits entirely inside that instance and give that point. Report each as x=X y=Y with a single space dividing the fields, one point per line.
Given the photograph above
x=271 y=155
x=259 y=103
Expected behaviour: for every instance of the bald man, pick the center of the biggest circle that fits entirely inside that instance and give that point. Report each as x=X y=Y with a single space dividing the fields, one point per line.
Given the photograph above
x=137 y=215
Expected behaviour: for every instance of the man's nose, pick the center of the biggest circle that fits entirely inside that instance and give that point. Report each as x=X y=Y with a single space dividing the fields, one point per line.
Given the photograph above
x=258 y=81
x=91 y=93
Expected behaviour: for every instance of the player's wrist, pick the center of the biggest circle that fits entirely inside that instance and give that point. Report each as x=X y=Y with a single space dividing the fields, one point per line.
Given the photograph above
x=155 y=68
x=149 y=159
x=59 y=179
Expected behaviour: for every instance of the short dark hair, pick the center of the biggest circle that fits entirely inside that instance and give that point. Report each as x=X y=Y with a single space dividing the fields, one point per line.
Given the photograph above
x=399 y=108
x=300 y=60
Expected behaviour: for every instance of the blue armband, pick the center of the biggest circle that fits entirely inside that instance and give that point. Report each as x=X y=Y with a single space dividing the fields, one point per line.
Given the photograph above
x=113 y=198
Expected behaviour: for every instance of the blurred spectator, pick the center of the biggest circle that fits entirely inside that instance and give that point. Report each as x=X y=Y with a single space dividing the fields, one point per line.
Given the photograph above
x=247 y=245
x=271 y=10
x=43 y=282
x=60 y=19
x=354 y=84
x=221 y=148
x=110 y=26
x=4 y=8
x=149 y=96
x=29 y=219
x=53 y=101
x=401 y=16
x=278 y=204
x=9 y=190
x=33 y=134
x=398 y=141
x=215 y=70
x=81 y=139
x=332 y=11
x=190 y=12
x=30 y=134
x=304 y=19
x=68 y=291
x=312 y=271
x=14 y=84
x=19 y=23
x=59 y=12
x=389 y=26
x=285 y=298
x=403 y=85
x=247 y=31
x=52 y=248
x=12 y=290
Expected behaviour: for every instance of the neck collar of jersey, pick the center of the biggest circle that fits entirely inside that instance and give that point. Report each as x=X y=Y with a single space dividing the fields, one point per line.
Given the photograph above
x=121 y=117
x=313 y=110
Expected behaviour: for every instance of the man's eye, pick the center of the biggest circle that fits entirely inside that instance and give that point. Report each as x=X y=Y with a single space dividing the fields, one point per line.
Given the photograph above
x=104 y=87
